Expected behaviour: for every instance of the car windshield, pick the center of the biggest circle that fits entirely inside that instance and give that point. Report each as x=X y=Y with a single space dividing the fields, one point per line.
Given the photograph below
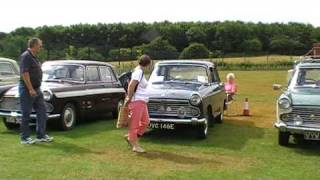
x=63 y=73
x=179 y=73
x=6 y=69
x=307 y=77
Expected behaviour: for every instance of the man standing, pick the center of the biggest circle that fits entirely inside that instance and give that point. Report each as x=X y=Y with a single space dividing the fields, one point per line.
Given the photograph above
x=31 y=96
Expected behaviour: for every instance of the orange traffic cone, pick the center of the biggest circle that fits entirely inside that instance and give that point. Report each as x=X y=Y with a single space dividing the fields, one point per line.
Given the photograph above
x=246 y=111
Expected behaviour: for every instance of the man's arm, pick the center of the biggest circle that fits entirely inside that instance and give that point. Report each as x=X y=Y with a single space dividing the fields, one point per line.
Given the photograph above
x=27 y=82
x=131 y=88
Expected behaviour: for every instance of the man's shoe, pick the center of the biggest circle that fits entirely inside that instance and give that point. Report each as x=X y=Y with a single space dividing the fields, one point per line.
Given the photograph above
x=27 y=141
x=45 y=138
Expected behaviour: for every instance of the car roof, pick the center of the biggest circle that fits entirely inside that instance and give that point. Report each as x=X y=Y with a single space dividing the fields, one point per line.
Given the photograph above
x=80 y=62
x=7 y=60
x=199 y=62
x=308 y=63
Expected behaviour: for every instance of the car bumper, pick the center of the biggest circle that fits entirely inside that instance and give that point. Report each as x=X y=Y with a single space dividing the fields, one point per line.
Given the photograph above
x=32 y=116
x=294 y=129
x=179 y=121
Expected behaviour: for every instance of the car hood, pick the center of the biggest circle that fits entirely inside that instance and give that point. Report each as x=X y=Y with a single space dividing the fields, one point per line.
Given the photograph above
x=53 y=86
x=174 y=91
x=308 y=97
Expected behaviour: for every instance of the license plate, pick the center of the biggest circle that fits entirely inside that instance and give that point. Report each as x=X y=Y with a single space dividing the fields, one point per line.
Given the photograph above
x=154 y=125
x=16 y=120
x=312 y=135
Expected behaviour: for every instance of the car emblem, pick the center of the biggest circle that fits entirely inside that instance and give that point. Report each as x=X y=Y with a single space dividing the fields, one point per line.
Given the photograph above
x=169 y=109
x=312 y=116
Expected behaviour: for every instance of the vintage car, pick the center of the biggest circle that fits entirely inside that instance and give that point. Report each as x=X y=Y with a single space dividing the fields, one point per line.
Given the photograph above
x=185 y=93
x=298 y=107
x=9 y=72
x=72 y=89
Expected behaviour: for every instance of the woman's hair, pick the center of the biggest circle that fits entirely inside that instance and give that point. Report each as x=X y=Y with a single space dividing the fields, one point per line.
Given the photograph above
x=144 y=60
x=230 y=76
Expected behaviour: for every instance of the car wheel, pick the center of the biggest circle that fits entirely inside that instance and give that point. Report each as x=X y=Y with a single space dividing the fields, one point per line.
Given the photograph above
x=202 y=131
x=219 y=118
x=10 y=126
x=68 y=118
x=283 y=138
x=115 y=113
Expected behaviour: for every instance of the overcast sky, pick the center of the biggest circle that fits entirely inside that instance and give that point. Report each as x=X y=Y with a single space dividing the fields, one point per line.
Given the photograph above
x=34 y=13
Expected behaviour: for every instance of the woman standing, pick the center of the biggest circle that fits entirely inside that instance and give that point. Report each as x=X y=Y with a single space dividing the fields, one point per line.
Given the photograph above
x=136 y=101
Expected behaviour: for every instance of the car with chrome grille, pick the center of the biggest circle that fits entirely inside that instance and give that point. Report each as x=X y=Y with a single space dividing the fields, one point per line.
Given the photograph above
x=298 y=107
x=73 y=90
x=185 y=93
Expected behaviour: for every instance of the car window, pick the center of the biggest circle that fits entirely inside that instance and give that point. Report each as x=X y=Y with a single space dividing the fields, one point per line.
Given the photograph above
x=6 y=69
x=308 y=76
x=190 y=73
x=93 y=74
x=106 y=74
x=215 y=75
x=63 y=72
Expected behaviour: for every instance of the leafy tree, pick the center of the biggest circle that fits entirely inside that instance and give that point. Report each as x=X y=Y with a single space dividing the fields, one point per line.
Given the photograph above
x=195 y=51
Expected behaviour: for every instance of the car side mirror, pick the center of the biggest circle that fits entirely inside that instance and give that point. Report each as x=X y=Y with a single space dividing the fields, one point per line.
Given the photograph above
x=277 y=87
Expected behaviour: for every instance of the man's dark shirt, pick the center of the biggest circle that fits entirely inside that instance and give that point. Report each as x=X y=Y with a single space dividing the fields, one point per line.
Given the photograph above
x=29 y=63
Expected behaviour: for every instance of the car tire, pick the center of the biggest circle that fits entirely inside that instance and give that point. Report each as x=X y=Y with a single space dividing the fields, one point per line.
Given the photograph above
x=219 y=118
x=68 y=117
x=283 y=138
x=10 y=126
x=202 y=131
x=115 y=113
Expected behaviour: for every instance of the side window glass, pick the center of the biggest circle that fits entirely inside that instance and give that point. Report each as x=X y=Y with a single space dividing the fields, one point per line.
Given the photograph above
x=106 y=74
x=92 y=74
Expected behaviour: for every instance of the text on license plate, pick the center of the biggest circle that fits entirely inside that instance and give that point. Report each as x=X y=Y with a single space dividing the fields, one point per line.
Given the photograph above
x=161 y=126
x=311 y=135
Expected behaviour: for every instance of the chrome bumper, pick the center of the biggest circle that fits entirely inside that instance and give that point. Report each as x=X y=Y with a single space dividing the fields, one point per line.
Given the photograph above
x=32 y=116
x=179 y=121
x=294 y=129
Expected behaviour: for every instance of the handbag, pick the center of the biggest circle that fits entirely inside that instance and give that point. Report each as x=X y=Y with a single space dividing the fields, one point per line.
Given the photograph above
x=123 y=117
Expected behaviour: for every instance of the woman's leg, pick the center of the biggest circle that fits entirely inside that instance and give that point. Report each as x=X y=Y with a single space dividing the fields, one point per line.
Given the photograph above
x=144 y=123
x=136 y=115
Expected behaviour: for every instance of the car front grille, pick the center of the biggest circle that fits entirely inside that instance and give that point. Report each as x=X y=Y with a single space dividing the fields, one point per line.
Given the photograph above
x=305 y=113
x=13 y=104
x=172 y=108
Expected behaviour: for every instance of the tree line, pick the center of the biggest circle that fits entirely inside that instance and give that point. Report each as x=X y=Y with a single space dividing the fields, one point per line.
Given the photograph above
x=162 y=40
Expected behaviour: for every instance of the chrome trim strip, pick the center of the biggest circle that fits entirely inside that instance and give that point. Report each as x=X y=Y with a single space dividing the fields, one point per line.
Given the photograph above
x=178 y=121
x=33 y=116
x=293 y=129
x=88 y=92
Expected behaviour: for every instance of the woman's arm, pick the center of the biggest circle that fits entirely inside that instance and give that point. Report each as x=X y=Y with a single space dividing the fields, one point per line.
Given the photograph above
x=131 y=88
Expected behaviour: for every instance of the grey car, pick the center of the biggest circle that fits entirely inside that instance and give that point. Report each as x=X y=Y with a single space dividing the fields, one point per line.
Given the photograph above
x=9 y=71
x=186 y=93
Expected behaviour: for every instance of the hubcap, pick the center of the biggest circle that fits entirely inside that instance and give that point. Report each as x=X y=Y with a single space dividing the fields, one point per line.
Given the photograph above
x=68 y=117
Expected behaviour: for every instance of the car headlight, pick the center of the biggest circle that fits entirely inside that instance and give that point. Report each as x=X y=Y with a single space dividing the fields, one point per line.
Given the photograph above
x=284 y=103
x=195 y=99
x=47 y=95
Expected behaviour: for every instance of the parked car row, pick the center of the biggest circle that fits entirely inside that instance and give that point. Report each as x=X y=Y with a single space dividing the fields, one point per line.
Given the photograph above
x=186 y=93
x=183 y=93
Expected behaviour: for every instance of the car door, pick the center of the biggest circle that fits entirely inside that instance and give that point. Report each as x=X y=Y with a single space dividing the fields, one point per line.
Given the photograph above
x=94 y=89
x=219 y=96
x=113 y=91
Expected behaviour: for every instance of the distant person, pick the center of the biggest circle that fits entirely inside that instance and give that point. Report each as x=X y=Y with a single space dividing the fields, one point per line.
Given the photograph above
x=230 y=86
x=31 y=96
x=136 y=101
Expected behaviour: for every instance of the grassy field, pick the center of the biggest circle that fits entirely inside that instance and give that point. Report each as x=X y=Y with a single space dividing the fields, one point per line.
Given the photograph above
x=126 y=65
x=240 y=148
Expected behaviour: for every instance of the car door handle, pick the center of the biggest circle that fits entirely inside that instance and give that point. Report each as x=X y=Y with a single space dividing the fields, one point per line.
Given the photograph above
x=105 y=99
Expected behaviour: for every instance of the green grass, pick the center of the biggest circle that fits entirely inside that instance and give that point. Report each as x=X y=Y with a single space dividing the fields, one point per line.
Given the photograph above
x=240 y=148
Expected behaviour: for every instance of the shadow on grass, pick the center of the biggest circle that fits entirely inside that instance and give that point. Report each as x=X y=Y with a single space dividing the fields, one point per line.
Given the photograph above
x=304 y=147
x=176 y=158
x=66 y=148
x=224 y=135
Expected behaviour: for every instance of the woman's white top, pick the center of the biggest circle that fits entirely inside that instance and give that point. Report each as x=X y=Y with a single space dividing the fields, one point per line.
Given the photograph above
x=141 y=93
